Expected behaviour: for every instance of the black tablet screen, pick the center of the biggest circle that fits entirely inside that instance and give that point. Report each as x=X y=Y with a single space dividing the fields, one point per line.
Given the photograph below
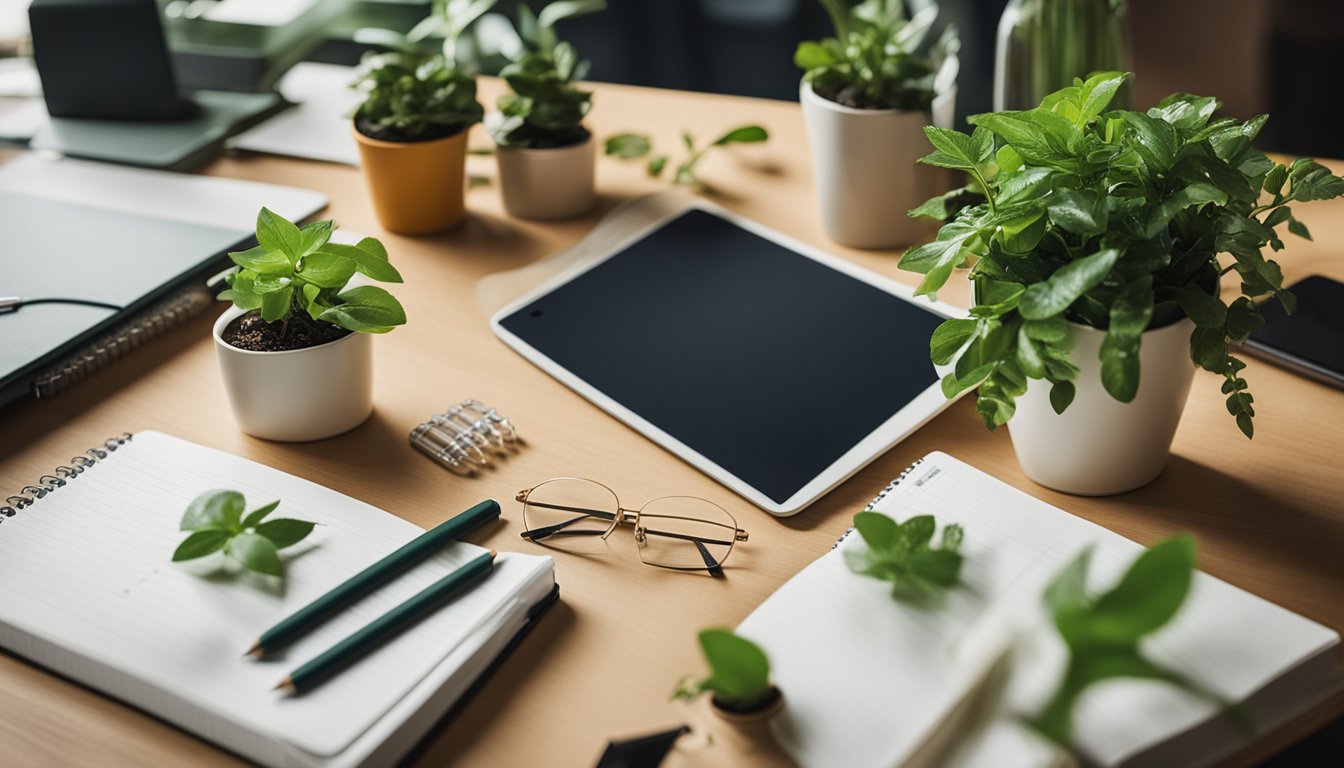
x=767 y=362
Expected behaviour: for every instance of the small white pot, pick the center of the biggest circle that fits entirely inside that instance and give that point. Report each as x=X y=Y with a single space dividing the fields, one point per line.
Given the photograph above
x=301 y=394
x=1100 y=446
x=547 y=184
x=867 y=177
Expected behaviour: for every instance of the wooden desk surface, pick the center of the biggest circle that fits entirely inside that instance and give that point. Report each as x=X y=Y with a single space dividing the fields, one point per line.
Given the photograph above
x=1267 y=513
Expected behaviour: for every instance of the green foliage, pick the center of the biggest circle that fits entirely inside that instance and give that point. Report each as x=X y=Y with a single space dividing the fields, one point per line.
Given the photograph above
x=1103 y=632
x=415 y=96
x=872 y=63
x=216 y=521
x=739 y=675
x=902 y=553
x=295 y=269
x=544 y=109
x=1113 y=219
x=631 y=146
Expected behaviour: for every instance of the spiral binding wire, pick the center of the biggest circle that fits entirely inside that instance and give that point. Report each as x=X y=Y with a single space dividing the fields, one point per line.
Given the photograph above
x=880 y=496
x=59 y=476
x=465 y=437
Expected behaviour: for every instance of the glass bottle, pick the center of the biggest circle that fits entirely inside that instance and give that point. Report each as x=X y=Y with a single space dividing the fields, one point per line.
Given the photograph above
x=1044 y=44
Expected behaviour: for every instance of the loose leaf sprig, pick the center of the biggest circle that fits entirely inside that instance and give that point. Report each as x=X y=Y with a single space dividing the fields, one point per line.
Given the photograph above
x=739 y=675
x=872 y=62
x=631 y=146
x=217 y=523
x=902 y=553
x=544 y=109
x=1103 y=632
x=1112 y=219
x=297 y=269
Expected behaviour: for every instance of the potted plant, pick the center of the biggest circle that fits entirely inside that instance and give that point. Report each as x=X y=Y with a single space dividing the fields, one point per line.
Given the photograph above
x=866 y=97
x=739 y=680
x=412 y=125
x=546 y=156
x=1096 y=253
x=295 y=349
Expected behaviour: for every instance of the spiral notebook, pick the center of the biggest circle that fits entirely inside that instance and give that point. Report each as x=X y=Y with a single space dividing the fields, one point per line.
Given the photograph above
x=89 y=592
x=893 y=673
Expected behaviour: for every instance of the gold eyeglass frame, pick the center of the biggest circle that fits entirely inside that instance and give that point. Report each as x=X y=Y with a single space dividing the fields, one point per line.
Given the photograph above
x=632 y=517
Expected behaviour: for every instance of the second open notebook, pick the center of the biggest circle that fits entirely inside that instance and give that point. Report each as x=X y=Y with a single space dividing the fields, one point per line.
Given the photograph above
x=89 y=591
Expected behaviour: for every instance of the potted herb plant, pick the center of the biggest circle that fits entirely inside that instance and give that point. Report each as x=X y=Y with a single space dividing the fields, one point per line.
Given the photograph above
x=866 y=97
x=295 y=349
x=739 y=680
x=412 y=126
x=546 y=156
x=1096 y=254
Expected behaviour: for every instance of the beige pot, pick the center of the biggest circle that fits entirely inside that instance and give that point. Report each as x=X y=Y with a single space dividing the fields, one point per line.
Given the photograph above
x=864 y=164
x=1099 y=445
x=300 y=394
x=546 y=184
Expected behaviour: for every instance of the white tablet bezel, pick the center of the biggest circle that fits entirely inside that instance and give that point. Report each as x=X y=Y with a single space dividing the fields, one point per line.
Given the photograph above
x=915 y=414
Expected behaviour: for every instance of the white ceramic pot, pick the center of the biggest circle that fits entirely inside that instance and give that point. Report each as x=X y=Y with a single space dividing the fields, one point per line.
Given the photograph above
x=864 y=163
x=1099 y=445
x=301 y=394
x=547 y=184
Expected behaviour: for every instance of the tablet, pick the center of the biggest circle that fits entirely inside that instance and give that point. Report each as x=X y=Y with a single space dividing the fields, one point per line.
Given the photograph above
x=773 y=367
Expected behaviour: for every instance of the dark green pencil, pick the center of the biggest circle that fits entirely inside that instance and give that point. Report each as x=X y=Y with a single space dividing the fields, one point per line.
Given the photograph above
x=387 y=626
x=416 y=551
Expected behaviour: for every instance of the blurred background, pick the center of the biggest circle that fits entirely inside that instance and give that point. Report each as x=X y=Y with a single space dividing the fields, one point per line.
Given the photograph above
x=1252 y=54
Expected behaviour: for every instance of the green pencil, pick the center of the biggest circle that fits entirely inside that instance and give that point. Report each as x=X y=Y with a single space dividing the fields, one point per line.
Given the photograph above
x=387 y=626
x=416 y=551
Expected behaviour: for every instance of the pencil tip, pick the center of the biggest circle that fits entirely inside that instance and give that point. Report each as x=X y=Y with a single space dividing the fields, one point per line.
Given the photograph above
x=493 y=553
x=286 y=683
x=255 y=651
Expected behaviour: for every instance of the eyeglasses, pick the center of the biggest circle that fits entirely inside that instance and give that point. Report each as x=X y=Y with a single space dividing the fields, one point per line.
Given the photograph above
x=679 y=532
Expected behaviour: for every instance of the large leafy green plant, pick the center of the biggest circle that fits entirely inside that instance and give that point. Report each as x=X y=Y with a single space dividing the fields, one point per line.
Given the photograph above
x=297 y=270
x=414 y=92
x=1118 y=220
x=543 y=107
x=872 y=62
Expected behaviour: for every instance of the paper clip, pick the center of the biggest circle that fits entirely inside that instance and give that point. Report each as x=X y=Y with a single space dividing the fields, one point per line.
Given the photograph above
x=460 y=437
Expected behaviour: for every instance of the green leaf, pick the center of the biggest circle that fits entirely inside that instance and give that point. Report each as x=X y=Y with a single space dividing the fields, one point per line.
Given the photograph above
x=1096 y=94
x=1208 y=348
x=1243 y=318
x=277 y=234
x=262 y=261
x=1028 y=356
x=1275 y=178
x=367 y=309
x=739 y=670
x=937 y=207
x=326 y=268
x=373 y=247
x=938 y=566
x=1155 y=140
x=277 y=304
x=1132 y=309
x=1148 y=595
x=1029 y=184
x=954 y=149
x=220 y=509
x=879 y=532
x=1080 y=211
x=948 y=338
x=201 y=543
x=256 y=553
x=372 y=262
x=285 y=532
x=1066 y=285
x=257 y=515
x=811 y=55
x=1061 y=395
x=314 y=236
x=1120 y=366
x=1207 y=311
x=746 y=134
x=1197 y=194
x=918 y=530
x=627 y=146
x=1051 y=329
x=656 y=165
x=937 y=259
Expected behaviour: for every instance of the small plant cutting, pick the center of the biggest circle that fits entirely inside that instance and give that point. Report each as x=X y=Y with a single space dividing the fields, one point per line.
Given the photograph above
x=904 y=554
x=546 y=156
x=866 y=93
x=1103 y=632
x=218 y=524
x=1113 y=224
x=412 y=125
x=739 y=679
x=632 y=146
x=295 y=349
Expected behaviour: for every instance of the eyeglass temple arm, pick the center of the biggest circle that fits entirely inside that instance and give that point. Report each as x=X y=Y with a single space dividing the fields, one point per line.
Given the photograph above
x=535 y=534
x=711 y=564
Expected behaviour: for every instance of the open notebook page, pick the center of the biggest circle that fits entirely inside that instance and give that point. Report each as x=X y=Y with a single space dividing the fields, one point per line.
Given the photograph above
x=866 y=678
x=89 y=584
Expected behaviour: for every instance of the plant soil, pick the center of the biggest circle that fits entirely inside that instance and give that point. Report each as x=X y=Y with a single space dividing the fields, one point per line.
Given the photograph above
x=527 y=137
x=751 y=708
x=399 y=137
x=855 y=98
x=253 y=334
